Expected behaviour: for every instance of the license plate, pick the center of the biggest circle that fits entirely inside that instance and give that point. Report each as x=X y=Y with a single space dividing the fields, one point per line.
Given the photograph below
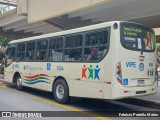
x=140 y=82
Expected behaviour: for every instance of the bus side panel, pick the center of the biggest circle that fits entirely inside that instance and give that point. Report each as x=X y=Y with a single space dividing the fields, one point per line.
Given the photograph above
x=36 y=75
x=81 y=83
x=85 y=89
x=78 y=86
x=109 y=65
x=117 y=91
x=71 y=72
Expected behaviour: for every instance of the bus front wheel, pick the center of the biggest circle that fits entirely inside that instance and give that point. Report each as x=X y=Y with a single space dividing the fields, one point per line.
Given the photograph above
x=19 y=83
x=61 y=91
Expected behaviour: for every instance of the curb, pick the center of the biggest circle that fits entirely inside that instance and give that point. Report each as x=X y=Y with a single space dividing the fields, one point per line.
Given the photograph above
x=137 y=101
x=148 y=101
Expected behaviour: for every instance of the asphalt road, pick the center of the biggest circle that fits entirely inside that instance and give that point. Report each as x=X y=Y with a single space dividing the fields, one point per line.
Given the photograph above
x=35 y=100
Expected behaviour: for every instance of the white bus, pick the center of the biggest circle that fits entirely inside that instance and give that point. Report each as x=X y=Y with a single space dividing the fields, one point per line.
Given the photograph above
x=110 y=60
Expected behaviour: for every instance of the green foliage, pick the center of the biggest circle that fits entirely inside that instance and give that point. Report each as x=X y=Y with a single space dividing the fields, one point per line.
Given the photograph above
x=158 y=47
x=3 y=41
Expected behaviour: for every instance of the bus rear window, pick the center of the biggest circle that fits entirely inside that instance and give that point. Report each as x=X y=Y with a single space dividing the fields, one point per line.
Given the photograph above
x=137 y=37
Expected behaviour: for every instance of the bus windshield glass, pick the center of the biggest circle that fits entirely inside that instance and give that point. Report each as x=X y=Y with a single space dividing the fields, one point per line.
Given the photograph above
x=137 y=37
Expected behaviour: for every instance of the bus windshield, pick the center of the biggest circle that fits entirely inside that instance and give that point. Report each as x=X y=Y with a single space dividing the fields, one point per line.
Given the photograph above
x=137 y=37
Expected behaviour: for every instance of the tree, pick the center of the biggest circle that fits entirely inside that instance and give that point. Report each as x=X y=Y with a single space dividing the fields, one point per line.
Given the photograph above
x=4 y=41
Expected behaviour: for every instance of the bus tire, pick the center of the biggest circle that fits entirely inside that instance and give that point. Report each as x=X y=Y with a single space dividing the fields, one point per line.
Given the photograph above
x=61 y=91
x=18 y=83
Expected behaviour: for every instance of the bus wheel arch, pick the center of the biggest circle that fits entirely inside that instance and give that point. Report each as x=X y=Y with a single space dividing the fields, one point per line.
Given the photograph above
x=17 y=81
x=14 y=77
x=61 y=84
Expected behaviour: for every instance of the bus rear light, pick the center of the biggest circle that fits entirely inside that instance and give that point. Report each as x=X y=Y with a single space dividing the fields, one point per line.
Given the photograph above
x=120 y=81
x=118 y=66
x=118 y=77
x=119 y=73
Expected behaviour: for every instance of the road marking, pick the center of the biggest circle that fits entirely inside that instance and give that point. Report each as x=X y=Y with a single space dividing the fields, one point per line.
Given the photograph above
x=3 y=85
x=69 y=108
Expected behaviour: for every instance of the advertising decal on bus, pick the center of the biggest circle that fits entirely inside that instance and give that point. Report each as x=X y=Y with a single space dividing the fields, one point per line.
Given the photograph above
x=137 y=37
x=131 y=64
x=93 y=72
x=36 y=79
x=141 y=66
x=150 y=72
x=30 y=68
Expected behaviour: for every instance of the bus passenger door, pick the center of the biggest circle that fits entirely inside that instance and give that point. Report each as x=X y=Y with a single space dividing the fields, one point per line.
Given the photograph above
x=8 y=64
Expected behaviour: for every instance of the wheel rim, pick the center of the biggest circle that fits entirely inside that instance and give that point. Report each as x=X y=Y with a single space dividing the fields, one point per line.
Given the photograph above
x=60 y=91
x=19 y=82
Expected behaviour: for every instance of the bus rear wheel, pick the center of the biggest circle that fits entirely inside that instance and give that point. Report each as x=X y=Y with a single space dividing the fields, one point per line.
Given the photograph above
x=19 y=83
x=61 y=91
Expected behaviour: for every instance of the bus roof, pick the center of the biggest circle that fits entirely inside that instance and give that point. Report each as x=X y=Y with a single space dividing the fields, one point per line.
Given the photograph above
x=81 y=29
x=76 y=30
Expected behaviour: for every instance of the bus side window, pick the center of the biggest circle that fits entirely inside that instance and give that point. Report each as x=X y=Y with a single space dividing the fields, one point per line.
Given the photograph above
x=21 y=52
x=96 y=45
x=73 y=48
x=55 y=49
x=103 y=37
x=42 y=52
x=73 y=54
x=30 y=53
x=92 y=39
